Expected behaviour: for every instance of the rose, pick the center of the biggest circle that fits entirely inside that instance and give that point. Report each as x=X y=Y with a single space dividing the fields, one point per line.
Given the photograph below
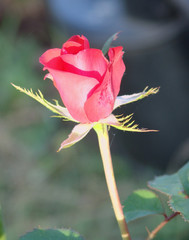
x=88 y=83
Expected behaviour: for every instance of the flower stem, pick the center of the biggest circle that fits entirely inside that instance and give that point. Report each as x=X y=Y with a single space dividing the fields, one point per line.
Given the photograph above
x=103 y=138
x=161 y=225
x=2 y=233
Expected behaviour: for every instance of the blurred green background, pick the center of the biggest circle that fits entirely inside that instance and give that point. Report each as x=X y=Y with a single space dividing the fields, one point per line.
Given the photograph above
x=38 y=186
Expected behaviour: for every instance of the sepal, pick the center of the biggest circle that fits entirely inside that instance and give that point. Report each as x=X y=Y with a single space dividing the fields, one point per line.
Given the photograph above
x=61 y=112
x=108 y=43
x=125 y=99
x=77 y=134
x=81 y=130
x=124 y=123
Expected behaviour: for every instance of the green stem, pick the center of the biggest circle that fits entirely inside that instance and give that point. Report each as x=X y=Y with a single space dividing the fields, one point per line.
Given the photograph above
x=161 y=225
x=2 y=233
x=103 y=139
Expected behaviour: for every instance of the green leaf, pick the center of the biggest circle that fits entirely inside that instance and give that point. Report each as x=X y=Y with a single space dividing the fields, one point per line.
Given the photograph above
x=142 y=203
x=52 y=234
x=167 y=184
x=180 y=204
x=125 y=99
x=2 y=234
x=108 y=43
x=77 y=134
x=174 y=184
x=60 y=111
x=183 y=174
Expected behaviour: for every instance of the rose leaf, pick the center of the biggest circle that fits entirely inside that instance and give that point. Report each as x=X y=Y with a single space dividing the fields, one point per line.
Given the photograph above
x=49 y=234
x=174 y=184
x=178 y=203
x=142 y=203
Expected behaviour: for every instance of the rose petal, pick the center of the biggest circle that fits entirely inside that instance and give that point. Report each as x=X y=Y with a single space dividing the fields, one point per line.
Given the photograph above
x=86 y=81
x=75 y=44
x=72 y=69
x=90 y=62
x=73 y=87
x=100 y=104
x=117 y=68
x=49 y=55
x=73 y=90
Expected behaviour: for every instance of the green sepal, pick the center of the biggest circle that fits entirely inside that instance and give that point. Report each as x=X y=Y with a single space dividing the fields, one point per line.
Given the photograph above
x=81 y=130
x=142 y=203
x=52 y=234
x=61 y=112
x=128 y=124
x=108 y=43
x=125 y=99
x=77 y=134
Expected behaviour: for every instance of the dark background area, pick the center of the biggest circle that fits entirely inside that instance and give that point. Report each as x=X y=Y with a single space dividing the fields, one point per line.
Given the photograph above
x=41 y=187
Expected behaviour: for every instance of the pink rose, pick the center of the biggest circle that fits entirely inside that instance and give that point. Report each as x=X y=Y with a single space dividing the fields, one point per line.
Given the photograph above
x=88 y=83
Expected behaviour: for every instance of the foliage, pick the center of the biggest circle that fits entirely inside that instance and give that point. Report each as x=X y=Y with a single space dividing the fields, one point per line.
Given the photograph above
x=142 y=202
x=2 y=234
x=176 y=187
x=49 y=234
